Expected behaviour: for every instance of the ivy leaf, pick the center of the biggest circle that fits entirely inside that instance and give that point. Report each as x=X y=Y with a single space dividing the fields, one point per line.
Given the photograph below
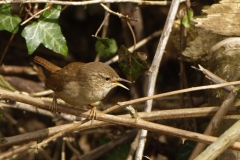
x=106 y=47
x=186 y=20
x=46 y=31
x=8 y=22
x=132 y=64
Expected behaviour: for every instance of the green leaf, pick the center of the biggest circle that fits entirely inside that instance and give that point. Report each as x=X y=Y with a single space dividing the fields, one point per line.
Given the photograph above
x=5 y=85
x=132 y=64
x=8 y=22
x=190 y=13
x=106 y=47
x=186 y=20
x=46 y=31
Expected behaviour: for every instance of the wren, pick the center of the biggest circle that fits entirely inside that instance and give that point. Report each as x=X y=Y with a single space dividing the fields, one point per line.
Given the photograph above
x=80 y=83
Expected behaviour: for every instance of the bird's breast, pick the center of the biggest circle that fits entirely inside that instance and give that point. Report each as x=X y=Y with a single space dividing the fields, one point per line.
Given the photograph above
x=78 y=95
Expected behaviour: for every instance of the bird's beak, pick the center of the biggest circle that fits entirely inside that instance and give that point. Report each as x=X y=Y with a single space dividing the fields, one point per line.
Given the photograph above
x=123 y=80
x=119 y=84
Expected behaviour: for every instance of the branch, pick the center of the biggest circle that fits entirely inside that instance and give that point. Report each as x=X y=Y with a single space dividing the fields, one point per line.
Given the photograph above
x=217 y=119
x=222 y=143
x=140 y=2
x=153 y=70
x=151 y=116
x=123 y=120
x=214 y=86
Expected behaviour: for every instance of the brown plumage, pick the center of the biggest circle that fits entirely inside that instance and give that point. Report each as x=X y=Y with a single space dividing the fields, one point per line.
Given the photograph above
x=81 y=83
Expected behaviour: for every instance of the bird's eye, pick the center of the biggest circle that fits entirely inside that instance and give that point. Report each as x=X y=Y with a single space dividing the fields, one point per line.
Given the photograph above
x=107 y=78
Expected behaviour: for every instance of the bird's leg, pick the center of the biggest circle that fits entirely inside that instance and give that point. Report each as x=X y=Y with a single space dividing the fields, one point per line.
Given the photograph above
x=93 y=114
x=53 y=107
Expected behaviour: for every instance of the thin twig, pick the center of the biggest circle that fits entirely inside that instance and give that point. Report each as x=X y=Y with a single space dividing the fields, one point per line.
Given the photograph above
x=214 y=86
x=71 y=128
x=214 y=123
x=13 y=151
x=153 y=71
x=10 y=69
x=120 y=15
x=104 y=31
x=42 y=93
x=106 y=23
x=215 y=149
x=133 y=34
x=133 y=147
x=71 y=147
x=49 y=6
x=65 y=7
x=127 y=18
x=214 y=78
x=63 y=150
x=154 y=115
x=6 y=48
x=183 y=78
x=106 y=148
x=83 y=3
x=9 y=42
x=138 y=45
x=105 y=19
x=140 y=123
x=37 y=102
x=216 y=120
